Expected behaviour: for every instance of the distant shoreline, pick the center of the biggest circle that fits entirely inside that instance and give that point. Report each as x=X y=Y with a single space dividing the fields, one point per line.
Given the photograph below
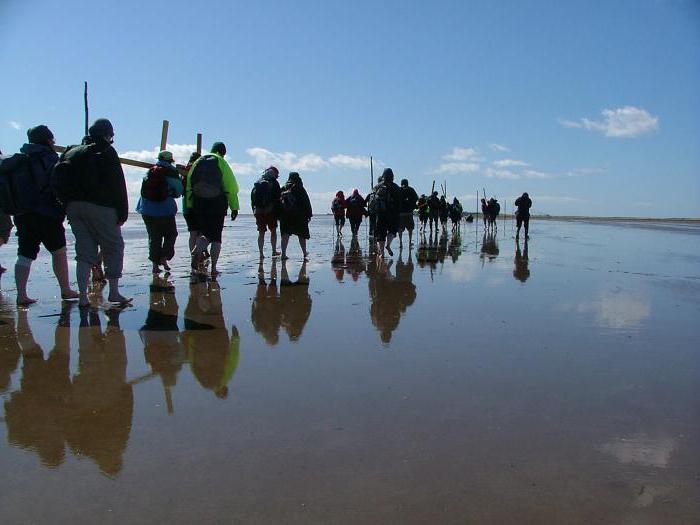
x=567 y=218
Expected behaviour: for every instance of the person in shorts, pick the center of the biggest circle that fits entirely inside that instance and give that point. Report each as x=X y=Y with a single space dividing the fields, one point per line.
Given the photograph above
x=265 y=202
x=40 y=221
x=409 y=199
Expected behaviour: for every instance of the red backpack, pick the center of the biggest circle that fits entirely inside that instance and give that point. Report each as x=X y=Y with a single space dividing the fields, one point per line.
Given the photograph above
x=155 y=186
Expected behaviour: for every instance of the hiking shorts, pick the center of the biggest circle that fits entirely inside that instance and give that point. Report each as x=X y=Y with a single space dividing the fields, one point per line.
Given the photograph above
x=211 y=226
x=34 y=229
x=406 y=222
x=191 y=220
x=520 y=219
x=266 y=220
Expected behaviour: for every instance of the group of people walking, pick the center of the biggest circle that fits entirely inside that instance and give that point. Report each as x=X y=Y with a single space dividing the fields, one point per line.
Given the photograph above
x=87 y=185
x=390 y=209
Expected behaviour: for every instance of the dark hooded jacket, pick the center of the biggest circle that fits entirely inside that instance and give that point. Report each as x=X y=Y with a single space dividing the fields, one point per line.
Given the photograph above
x=97 y=177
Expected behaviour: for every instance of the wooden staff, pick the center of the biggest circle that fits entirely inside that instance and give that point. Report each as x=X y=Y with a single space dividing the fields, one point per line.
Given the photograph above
x=164 y=135
x=199 y=143
x=85 y=101
x=371 y=173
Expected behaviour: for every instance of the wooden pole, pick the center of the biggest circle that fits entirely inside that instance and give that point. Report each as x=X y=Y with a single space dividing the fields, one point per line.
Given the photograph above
x=199 y=143
x=85 y=101
x=164 y=135
x=433 y=188
x=371 y=173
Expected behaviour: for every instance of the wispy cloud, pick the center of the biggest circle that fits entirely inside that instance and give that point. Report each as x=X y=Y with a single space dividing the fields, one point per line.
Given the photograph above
x=349 y=162
x=498 y=147
x=508 y=163
x=502 y=174
x=455 y=168
x=624 y=122
x=534 y=174
x=463 y=154
x=14 y=124
x=287 y=160
x=582 y=172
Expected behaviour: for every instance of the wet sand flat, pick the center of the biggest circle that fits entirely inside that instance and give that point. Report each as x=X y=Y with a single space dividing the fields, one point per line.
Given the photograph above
x=468 y=380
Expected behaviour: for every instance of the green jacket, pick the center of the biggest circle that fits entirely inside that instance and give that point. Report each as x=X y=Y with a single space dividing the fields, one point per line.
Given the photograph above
x=228 y=180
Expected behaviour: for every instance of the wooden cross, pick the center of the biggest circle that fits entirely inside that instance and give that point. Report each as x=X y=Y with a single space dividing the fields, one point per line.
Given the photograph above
x=163 y=145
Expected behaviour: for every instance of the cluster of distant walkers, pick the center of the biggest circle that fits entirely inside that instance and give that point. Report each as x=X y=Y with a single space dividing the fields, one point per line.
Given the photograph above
x=86 y=184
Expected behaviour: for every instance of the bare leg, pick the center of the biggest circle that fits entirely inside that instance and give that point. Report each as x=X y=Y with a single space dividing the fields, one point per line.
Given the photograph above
x=390 y=237
x=59 y=262
x=261 y=243
x=273 y=242
x=285 y=242
x=114 y=295
x=302 y=243
x=22 y=269
x=215 y=251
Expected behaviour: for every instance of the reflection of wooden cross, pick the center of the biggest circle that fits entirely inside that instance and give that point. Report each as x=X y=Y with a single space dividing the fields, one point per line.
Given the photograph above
x=163 y=145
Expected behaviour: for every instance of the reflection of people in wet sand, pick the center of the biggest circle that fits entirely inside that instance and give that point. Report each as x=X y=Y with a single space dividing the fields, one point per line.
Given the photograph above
x=102 y=401
x=92 y=414
x=10 y=351
x=212 y=352
x=36 y=414
x=160 y=335
x=338 y=260
x=295 y=302
x=389 y=296
x=489 y=246
x=287 y=306
x=354 y=263
x=455 y=248
x=521 y=271
x=265 y=311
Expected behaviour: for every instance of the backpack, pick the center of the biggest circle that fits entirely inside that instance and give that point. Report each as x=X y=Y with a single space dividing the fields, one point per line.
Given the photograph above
x=336 y=206
x=496 y=209
x=154 y=186
x=13 y=171
x=10 y=169
x=288 y=200
x=206 y=178
x=261 y=195
x=70 y=176
x=383 y=199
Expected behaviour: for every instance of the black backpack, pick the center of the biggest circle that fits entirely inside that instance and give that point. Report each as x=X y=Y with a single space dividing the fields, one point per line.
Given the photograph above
x=206 y=178
x=154 y=186
x=288 y=200
x=70 y=177
x=14 y=172
x=261 y=195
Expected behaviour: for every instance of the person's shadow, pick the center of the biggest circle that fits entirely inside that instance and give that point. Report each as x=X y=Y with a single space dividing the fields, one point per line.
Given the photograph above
x=390 y=296
x=160 y=334
x=489 y=246
x=266 y=308
x=521 y=271
x=212 y=352
x=295 y=302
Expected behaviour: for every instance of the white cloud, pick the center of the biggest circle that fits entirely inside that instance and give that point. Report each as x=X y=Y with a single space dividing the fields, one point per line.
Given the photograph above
x=454 y=168
x=349 y=162
x=533 y=174
x=582 y=172
x=507 y=163
x=287 y=161
x=498 y=147
x=14 y=125
x=570 y=123
x=502 y=174
x=559 y=198
x=463 y=154
x=625 y=122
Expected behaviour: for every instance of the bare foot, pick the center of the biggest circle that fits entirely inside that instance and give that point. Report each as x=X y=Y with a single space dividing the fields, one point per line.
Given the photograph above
x=70 y=295
x=284 y=257
x=119 y=299
x=83 y=302
x=306 y=256
x=262 y=256
x=275 y=253
x=25 y=301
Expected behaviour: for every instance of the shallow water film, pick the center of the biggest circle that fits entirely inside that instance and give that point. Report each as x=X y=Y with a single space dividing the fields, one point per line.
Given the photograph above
x=469 y=379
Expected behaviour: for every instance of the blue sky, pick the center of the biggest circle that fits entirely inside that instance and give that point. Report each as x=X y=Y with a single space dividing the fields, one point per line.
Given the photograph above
x=591 y=107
